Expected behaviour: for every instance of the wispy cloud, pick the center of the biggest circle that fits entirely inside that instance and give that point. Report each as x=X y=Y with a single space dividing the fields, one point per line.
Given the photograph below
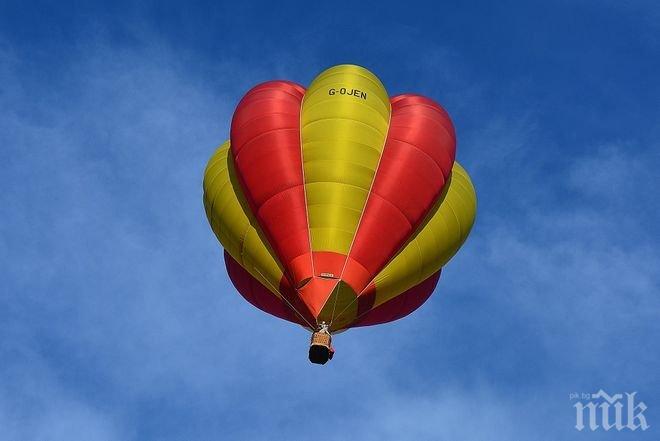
x=118 y=322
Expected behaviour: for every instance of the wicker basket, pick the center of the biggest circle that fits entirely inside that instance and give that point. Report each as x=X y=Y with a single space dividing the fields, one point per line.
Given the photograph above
x=321 y=339
x=320 y=350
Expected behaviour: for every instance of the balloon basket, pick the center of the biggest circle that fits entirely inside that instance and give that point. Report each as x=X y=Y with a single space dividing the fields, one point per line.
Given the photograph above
x=320 y=349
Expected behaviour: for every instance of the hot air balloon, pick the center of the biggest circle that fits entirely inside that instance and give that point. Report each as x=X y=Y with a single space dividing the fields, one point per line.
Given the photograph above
x=336 y=205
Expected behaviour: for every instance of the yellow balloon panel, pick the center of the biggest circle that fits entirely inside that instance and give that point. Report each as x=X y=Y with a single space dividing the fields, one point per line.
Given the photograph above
x=436 y=240
x=344 y=121
x=234 y=225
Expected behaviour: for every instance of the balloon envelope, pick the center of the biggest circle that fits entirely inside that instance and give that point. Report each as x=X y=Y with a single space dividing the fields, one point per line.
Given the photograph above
x=337 y=203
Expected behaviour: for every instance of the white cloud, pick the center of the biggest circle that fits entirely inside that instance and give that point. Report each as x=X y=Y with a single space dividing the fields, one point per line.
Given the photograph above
x=117 y=295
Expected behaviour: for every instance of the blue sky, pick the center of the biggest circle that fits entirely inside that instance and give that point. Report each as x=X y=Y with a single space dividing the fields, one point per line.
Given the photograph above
x=118 y=322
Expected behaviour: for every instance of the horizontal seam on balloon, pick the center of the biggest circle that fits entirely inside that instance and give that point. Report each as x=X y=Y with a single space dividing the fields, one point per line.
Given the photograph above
x=432 y=158
x=352 y=165
x=338 y=182
x=249 y=96
x=435 y=107
x=334 y=205
x=460 y=232
x=218 y=194
x=422 y=151
x=444 y=129
x=451 y=133
x=240 y=148
x=252 y=100
x=220 y=153
x=463 y=181
x=344 y=160
x=262 y=116
x=331 y=118
x=278 y=193
x=209 y=181
x=212 y=167
x=436 y=193
x=463 y=188
x=342 y=139
x=340 y=230
x=393 y=205
x=418 y=116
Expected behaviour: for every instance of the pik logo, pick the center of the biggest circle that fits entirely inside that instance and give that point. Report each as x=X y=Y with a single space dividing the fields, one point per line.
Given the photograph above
x=604 y=411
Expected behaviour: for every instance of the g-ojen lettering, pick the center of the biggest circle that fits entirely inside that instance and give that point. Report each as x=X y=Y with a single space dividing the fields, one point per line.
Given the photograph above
x=346 y=91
